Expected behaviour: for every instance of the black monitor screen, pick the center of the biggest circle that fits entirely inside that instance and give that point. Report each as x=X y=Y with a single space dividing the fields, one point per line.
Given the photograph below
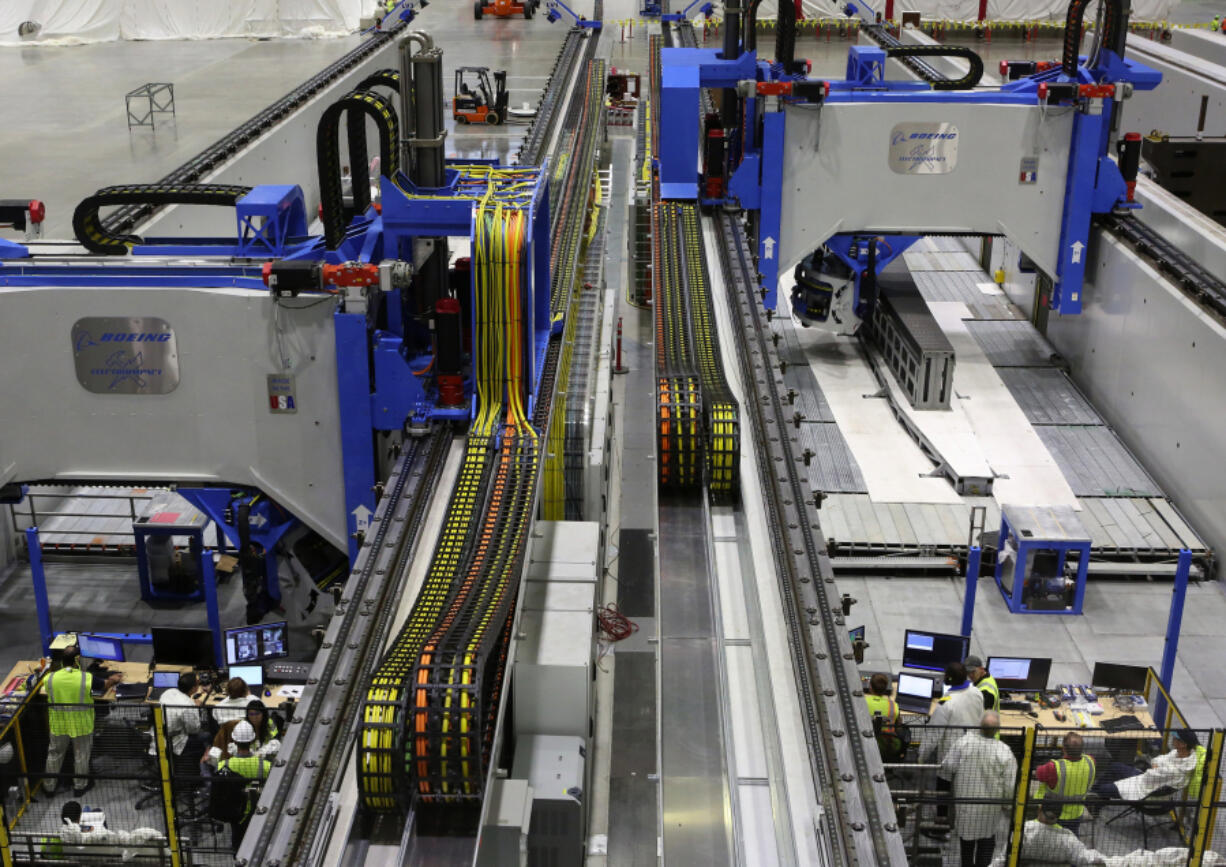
x=98 y=647
x=1109 y=675
x=174 y=646
x=256 y=643
x=933 y=650
x=1020 y=673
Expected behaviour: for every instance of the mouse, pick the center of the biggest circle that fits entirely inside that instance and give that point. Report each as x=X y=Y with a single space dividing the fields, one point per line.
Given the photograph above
x=1060 y=715
x=267 y=693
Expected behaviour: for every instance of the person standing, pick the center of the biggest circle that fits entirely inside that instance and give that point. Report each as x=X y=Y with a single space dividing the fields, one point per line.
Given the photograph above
x=1068 y=780
x=980 y=767
x=960 y=710
x=70 y=719
x=984 y=682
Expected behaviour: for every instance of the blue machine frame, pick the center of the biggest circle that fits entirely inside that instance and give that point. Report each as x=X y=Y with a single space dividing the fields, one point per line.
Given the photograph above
x=1094 y=185
x=376 y=382
x=1027 y=545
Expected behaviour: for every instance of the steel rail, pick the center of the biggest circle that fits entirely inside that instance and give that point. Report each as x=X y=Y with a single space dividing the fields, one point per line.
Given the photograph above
x=858 y=818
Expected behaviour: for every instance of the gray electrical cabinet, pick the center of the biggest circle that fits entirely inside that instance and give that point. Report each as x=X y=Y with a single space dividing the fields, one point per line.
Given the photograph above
x=554 y=766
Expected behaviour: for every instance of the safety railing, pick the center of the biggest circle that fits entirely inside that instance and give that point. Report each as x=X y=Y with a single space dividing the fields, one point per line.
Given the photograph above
x=1124 y=793
x=93 y=521
x=127 y=781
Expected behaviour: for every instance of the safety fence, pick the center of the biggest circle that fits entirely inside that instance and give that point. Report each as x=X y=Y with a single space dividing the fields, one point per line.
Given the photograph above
x=124 y=781
x=1134 y=786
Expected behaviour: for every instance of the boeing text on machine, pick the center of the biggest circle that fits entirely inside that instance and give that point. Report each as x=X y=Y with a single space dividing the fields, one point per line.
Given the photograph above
x=141 y=359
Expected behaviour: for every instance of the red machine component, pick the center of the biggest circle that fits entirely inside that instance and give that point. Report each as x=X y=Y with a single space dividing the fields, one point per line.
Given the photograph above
x=714 y=152
x=350 y=274
x=38 y=211
x=504 y=8
x=1130 y=161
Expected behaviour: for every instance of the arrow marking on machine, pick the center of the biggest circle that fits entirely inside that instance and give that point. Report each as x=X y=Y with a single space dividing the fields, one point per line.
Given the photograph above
x=361 y=518
x=1077 y=247
x=257 y=520
x=769 y=246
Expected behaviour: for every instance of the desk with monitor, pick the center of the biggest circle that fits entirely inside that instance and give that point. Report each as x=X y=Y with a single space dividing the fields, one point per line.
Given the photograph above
x=1021 y=681
x=178 y=650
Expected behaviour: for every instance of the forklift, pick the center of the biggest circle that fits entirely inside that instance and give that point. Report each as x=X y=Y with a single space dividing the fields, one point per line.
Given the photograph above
x=475 y=101
x=504 y=8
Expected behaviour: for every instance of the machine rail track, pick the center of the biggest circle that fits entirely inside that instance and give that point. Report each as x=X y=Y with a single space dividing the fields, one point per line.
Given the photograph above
x=319 y=739
x=858 y=817
x=1203 y=287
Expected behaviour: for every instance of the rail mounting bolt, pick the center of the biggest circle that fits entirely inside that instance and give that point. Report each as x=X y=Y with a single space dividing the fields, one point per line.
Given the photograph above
x=847 y=603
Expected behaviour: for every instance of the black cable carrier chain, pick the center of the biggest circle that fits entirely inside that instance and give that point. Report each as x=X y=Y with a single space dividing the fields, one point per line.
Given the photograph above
x=456 y=691
x=122 y=221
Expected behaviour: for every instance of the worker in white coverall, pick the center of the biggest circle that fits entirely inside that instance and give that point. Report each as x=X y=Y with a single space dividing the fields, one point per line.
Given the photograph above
x=980 y=767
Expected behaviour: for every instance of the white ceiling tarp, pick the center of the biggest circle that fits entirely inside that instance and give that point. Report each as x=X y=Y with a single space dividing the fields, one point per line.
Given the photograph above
x=79 y=21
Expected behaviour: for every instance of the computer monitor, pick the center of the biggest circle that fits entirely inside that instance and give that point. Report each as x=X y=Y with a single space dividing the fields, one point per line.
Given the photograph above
x=257 y=643
x=933 y=650
x=252 y=675
x=1020 y=673
x=916 y=685
x=165 y=680
x=1109 y=675
x=178 y=646
x=97 y=647
x=856 y=634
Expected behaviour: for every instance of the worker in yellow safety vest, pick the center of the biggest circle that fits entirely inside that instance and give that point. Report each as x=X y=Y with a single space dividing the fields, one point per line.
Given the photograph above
x=70 y=719
x=245 y=763
x=1067 y=780
x=880 y=703
x=984 y=682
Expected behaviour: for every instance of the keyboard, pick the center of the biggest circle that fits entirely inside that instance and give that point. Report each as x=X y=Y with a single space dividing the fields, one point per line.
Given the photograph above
x=286 y=672
x=1017 y=705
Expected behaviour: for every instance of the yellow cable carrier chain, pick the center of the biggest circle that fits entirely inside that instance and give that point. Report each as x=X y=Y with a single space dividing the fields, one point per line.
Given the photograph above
x=419 y=725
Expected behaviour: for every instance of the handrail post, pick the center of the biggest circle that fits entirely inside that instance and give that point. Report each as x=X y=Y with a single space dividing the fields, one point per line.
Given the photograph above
x=168 y=795
x=1023 y=791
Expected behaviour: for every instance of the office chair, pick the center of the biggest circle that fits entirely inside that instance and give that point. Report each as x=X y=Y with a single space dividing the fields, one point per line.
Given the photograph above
x=1153 y=806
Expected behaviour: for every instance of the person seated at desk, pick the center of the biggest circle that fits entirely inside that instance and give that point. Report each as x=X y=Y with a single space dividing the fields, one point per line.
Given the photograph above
x=265 y=743
x=1069 y=779
x=1127 y=783
x=88 y=835
x=183 y=714
x=233 y=707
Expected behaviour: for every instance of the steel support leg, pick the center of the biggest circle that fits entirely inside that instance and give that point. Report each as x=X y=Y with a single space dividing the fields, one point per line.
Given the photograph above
x=972 y=587
x=1175 y=619
x=209 y=578
x=39 y=579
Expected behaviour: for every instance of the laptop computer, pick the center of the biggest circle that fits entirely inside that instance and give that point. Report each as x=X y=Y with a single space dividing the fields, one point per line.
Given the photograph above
x=162 y=681
x=914 y=693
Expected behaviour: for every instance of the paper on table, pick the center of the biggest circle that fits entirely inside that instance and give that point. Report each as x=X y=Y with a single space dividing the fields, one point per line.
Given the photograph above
x=294 y=691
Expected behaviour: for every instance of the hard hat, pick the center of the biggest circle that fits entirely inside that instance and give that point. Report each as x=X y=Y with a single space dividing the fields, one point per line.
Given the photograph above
x=243 y=733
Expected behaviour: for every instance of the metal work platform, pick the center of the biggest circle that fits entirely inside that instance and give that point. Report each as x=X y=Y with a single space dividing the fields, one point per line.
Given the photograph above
x=872 y=517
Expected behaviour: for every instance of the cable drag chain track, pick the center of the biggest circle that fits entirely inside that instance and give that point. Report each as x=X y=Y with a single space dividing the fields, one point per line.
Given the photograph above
x=316 y=752
x=123 y=220
x=531 y=149
x=1204 y=288
x=101 y=236
x=432 y=706
x=697 y=417
x=857 y=815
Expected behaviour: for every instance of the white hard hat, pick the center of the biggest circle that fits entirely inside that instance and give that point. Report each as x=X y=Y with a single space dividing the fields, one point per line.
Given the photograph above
x=243 y=733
